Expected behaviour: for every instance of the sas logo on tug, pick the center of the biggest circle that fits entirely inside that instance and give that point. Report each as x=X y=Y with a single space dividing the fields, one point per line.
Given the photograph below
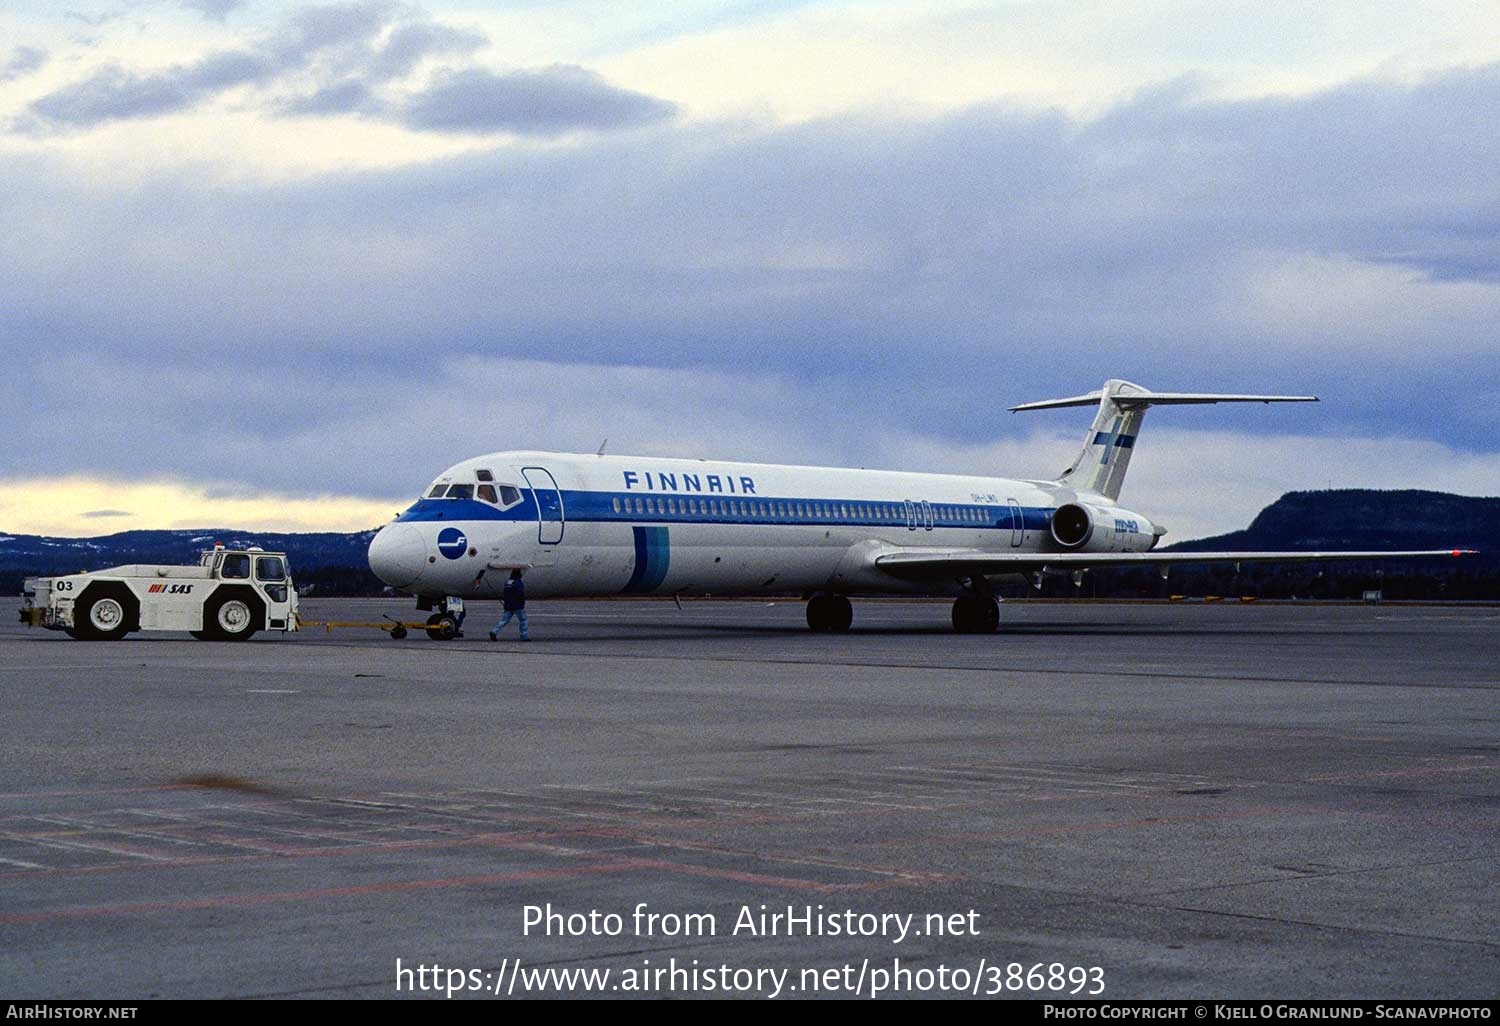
x=452 y=543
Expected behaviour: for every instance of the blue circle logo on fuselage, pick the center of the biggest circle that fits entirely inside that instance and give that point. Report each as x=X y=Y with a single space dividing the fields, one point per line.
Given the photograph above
x=452 y=543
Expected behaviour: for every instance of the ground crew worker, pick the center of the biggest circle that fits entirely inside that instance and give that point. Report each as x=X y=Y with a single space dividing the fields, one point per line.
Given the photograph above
x=514 y=597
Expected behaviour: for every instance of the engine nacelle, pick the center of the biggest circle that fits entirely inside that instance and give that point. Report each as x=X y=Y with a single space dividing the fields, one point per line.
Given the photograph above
x=1082 y=527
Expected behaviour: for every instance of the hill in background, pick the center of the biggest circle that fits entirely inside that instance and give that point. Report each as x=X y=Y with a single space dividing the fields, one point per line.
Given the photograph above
x=324 y=563
x=334 y=564
x=1366 y=519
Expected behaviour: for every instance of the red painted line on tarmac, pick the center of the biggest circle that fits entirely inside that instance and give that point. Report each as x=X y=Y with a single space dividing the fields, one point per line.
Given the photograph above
x=102 y=790
x=240 y=900
x=494 y=840
x=397 y=887
x=762 y=879
x=1122 y=824
x=784 y=857
x=1469 y=764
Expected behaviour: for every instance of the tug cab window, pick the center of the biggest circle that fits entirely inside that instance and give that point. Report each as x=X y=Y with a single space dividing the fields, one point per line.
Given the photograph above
x=270 y=568
x=236 y=567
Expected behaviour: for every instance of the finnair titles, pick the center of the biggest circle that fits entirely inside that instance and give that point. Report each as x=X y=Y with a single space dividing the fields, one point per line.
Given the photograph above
x=594 y=525
x=713 y=484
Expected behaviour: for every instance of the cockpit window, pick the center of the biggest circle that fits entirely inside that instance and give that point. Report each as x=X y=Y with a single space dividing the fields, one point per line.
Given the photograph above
x=461 y=491
x=509 y=495
x=437 y=491
x=484 y=475
x=487 y=493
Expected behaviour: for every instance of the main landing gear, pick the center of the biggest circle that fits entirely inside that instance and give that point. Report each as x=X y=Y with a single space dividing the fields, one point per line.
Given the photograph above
x=829 y=614
x=972 y=614
x=976 y=614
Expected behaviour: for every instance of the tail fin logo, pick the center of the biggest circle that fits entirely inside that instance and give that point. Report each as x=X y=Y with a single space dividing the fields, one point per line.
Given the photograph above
x=1113 y=440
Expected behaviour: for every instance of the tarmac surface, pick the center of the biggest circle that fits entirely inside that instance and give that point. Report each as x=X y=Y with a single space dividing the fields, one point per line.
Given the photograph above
x=1216 y=801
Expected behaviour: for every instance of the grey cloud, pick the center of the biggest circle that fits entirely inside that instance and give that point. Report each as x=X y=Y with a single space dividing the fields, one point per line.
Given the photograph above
x=410 y=43
x=114 y=94
x=23 y=60
x=548 y=101
x=916 y=274
x=95 y=514
x=347 y=97
x=216 y=10
x=338 y=39
x=314 y=30
x=111 y=94
x=96 y=20
x=403 y=48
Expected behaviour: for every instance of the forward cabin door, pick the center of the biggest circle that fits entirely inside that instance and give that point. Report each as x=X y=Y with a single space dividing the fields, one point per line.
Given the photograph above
x=549 y=504
x=1017 y=525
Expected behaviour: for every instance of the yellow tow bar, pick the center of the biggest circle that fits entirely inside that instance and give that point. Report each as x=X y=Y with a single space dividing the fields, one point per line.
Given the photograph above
x=439 y=629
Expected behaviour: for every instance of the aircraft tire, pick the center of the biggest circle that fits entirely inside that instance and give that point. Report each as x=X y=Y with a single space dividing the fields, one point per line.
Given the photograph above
x=973 y=614
x=840 y=614
x=989 y=616
x=817 y=614
x=829 y=614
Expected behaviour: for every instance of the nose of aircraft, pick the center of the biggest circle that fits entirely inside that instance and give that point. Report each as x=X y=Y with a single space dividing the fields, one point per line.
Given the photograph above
x=398 y=554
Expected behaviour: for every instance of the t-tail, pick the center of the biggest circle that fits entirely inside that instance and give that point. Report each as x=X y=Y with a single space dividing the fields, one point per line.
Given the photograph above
x=1100 y=467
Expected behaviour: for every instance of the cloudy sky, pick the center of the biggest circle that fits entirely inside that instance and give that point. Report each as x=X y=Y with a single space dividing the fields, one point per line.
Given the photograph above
x=274 y=265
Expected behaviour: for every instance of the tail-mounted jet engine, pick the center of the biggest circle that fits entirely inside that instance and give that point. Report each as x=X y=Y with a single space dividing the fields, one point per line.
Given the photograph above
x=1082 y=527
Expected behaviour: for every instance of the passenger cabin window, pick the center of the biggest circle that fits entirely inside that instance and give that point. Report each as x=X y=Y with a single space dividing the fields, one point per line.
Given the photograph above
x=461 y=491
x=509 y=495
x=487 y=493
x=270 y=568
x=236 y=567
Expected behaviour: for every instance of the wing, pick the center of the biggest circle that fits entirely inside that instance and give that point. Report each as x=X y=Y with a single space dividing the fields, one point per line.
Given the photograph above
x=916 y=564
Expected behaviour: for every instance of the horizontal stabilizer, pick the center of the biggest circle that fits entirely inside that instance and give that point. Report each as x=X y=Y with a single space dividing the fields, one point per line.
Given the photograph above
x=1145 y=398
x=1101 y=464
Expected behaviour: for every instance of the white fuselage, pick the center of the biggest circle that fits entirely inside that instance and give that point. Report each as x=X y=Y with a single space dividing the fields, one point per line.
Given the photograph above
x=582 y=525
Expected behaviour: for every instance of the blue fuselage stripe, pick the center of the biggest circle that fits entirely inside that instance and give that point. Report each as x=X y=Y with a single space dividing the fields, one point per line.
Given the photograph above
x=636 y=507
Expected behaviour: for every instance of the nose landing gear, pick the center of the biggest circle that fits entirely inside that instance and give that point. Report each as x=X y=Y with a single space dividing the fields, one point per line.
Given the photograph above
x=448 y=621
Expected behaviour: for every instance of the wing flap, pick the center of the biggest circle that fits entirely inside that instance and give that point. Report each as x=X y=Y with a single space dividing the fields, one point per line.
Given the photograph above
x=936 y=562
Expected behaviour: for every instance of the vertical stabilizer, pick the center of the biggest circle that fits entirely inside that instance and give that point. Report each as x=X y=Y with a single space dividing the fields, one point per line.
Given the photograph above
x=1100 y=466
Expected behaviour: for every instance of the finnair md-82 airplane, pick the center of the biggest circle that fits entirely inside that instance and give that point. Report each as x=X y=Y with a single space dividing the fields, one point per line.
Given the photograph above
x=594 y=525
